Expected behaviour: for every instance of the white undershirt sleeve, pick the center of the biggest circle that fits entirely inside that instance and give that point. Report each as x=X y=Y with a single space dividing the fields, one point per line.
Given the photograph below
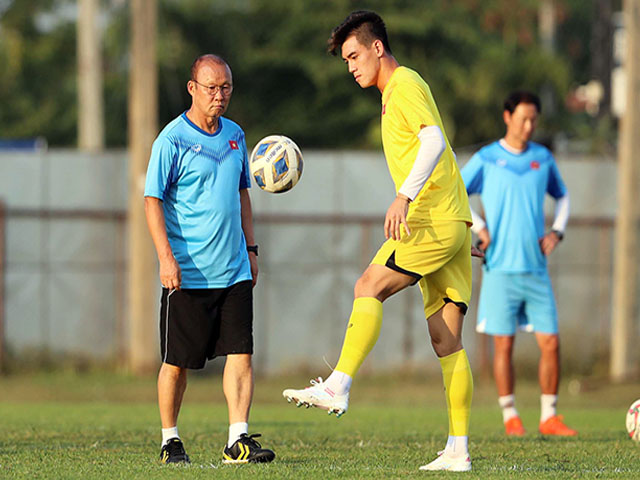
x=432 y=145
x=478 y=221
x=562 y=214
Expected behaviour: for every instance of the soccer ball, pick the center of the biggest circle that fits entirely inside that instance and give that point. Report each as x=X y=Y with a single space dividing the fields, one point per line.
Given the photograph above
x=633 y=421
x=276 y=164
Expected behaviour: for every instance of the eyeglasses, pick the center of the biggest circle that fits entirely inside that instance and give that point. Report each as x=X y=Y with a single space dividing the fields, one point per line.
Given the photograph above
x=212 y=90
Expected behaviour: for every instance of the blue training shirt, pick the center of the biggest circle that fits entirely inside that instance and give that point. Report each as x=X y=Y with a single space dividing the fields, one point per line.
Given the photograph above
x=198 y=176
x=512 y=188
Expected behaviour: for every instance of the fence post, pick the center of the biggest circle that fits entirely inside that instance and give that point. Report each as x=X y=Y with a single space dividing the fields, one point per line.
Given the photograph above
x=625 y=279
x=3 y=219
x=143 y=117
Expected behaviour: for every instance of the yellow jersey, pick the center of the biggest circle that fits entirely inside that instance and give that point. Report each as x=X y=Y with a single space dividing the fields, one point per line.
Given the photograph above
x=407 y=107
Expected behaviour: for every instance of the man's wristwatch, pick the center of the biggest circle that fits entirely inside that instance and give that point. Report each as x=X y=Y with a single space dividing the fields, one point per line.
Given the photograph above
x=253 y=248
x=559 y=234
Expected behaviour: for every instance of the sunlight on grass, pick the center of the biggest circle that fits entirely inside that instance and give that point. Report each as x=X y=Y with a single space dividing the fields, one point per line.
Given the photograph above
x=106 y=426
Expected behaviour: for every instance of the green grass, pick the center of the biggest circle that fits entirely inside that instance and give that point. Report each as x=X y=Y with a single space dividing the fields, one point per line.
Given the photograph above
x=100 y=426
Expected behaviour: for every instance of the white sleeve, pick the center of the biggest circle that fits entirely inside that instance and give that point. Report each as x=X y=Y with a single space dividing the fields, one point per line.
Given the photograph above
x=562 y=214
x=432 y=145
x=478 y=221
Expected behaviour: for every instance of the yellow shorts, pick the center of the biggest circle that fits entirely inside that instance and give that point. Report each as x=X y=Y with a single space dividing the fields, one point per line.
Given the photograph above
x=439 y=257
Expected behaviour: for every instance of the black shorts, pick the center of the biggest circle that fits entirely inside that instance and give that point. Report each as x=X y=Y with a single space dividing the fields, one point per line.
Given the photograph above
x=200 y=324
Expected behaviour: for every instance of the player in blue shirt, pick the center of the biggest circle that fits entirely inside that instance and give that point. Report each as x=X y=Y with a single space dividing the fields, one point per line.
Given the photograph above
x=199 y=215
x=512 y=177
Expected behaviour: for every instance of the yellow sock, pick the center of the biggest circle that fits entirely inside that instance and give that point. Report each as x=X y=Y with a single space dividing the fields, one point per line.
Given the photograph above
x=362 y=334
x=458 y=384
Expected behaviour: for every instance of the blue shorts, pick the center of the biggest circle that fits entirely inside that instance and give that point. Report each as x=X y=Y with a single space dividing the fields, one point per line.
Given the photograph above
x=511 y=301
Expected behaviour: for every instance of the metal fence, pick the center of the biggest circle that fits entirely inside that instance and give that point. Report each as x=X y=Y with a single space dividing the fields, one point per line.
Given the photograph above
x=64 y=281
x=73 y=303
x=64 y=268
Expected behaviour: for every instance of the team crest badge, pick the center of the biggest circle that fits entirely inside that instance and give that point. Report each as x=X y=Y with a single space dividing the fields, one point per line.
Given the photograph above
x=233 y=144
x=196 y=148
x=535 y=165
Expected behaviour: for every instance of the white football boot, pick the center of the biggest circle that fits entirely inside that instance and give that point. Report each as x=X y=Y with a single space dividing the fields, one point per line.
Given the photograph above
x=320 y=396
x=449 y=464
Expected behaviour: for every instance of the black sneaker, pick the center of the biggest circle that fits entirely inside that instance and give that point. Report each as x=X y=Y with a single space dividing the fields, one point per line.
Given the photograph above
x=247 y=450
x=173 y=452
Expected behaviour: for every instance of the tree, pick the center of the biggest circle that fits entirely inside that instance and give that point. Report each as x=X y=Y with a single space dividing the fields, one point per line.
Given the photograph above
x=37 y=83
x=471 y=52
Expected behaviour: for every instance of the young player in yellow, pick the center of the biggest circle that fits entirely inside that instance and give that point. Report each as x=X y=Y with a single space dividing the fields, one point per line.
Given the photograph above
x=427 y=231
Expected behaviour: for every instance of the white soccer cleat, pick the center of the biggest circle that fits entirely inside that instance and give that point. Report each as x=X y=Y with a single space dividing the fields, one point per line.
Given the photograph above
x=320 y=396
x=449 y=464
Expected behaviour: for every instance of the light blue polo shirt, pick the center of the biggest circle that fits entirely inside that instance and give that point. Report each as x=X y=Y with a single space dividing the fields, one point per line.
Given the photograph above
x=512 y=188
x=198 y=176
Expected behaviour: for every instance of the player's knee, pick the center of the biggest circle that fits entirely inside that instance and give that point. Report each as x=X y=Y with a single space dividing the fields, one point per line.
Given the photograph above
x=173 y=372
x=503 y=345
x=239 y=361
x=445 y=345
x=357 y=289
x=365 y=287
x=550 y=344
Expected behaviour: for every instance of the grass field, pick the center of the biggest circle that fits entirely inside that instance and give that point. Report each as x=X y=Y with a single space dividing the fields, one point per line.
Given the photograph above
x=103 y=426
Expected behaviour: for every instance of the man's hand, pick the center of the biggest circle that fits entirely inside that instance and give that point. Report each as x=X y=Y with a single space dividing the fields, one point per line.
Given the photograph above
x=170 y=274
x=253 y=259
x=396 y=216
x=484 y=238
x=549 y=242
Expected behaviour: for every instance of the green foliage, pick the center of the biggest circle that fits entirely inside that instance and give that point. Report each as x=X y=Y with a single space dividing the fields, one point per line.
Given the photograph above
x=471 y=52
x=37 y=83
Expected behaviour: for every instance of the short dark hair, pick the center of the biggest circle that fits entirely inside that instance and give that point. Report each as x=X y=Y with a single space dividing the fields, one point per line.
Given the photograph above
x=207 y=57
x=521 y=96
x=366 y=26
